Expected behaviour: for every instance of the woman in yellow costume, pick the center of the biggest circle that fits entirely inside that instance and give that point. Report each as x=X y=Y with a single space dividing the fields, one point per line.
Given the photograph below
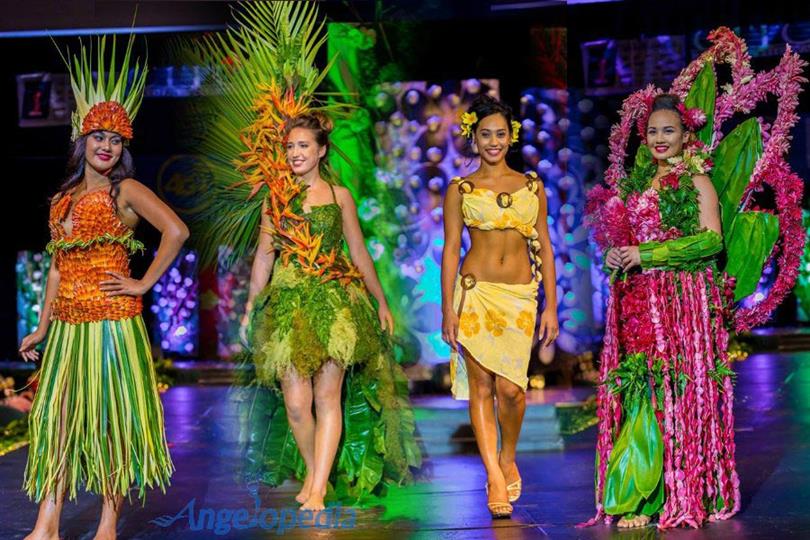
x=97 y=419
x=490 y=309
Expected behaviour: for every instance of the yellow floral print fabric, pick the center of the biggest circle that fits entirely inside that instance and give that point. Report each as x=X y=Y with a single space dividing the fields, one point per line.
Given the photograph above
x=496 y=327
x=486 y=210
x=481 y=210
x=525 y=321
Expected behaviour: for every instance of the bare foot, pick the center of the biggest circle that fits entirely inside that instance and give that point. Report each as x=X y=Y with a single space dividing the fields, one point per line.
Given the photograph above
x=43 y=533
x=633 y=522
x=315 y=501
x=303 y=495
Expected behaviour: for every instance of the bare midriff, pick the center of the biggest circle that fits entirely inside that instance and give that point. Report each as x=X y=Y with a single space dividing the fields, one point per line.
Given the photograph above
x=499 y=256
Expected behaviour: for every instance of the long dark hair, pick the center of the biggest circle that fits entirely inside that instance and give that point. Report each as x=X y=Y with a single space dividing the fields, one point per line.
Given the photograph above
x=76 y=164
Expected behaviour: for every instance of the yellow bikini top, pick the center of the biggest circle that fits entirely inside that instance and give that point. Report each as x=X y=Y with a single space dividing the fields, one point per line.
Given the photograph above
x=485 y=210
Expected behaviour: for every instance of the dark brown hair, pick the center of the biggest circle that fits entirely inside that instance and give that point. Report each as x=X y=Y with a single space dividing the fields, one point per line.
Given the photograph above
x=321 y=126
x=76 y=166
x=485 y=105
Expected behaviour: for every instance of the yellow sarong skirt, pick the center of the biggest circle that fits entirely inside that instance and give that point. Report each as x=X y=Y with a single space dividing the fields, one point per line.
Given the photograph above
x=496 y=327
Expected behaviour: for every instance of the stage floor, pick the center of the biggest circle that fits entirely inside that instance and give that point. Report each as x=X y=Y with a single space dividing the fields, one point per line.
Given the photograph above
x=773 y=432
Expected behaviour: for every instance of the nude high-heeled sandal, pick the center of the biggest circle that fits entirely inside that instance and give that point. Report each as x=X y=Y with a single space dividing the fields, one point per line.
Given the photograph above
x=498 y=510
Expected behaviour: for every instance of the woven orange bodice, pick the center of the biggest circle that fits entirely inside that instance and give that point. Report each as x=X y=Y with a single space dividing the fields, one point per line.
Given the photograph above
x=99 y=242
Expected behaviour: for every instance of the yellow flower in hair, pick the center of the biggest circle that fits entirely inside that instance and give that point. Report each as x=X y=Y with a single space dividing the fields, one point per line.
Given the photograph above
x=515 y=132
x=468 y=119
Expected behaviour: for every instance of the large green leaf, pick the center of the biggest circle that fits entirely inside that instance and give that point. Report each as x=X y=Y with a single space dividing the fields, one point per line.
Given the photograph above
x=643 y=169
x=636 y=462
x=644 y=158
x=407 y=420
x=270 y=453
x=734 y=161
x=702 y=95
x=283 y=459
x=653 y=503
x=749 y=243
x=359 y=463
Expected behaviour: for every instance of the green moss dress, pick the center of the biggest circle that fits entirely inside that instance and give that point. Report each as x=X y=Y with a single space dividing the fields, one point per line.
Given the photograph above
x=299 y=322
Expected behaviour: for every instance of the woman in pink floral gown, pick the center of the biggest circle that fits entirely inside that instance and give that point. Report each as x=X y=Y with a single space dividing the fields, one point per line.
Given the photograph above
x=666 y=431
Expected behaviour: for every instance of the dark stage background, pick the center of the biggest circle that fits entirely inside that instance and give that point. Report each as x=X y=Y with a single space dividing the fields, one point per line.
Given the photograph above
x=441 y=48
x=430 y=41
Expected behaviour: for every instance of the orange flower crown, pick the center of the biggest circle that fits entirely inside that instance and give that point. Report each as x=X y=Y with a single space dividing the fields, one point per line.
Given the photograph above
x=107 y=116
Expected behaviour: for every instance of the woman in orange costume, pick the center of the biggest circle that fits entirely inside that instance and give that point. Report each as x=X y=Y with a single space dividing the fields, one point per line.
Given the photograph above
x=97 y=419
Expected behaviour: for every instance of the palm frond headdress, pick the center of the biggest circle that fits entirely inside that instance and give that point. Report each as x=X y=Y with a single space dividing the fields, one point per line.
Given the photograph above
x=109 y=101
x=262 y=74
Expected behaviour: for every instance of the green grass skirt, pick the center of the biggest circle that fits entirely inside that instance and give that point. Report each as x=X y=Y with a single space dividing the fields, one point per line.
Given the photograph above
x=298 y=324
x=97 y=389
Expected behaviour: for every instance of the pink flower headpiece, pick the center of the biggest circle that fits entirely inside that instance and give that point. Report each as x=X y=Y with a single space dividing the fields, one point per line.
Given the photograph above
x=693 y=118
x=747 y=89
x=645 y=103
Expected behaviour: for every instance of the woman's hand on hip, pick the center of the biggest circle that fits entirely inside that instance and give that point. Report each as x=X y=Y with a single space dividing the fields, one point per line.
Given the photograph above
x=120 y=285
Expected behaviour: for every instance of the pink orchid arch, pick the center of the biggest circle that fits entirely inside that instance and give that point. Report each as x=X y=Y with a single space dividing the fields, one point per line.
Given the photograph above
x=746 y=90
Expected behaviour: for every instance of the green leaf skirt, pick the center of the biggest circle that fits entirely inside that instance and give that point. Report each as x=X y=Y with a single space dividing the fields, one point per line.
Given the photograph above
x=298 y=324
x=97 y=419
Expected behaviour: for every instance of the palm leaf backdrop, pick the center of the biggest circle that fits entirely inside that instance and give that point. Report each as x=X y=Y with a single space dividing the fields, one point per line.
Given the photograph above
x=268 y=52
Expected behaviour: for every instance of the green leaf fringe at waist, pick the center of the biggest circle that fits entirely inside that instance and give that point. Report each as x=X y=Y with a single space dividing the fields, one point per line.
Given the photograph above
x=125 y=240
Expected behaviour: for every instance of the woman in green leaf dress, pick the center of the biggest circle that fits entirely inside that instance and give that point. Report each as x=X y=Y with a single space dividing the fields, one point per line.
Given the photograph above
x=322 y=332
